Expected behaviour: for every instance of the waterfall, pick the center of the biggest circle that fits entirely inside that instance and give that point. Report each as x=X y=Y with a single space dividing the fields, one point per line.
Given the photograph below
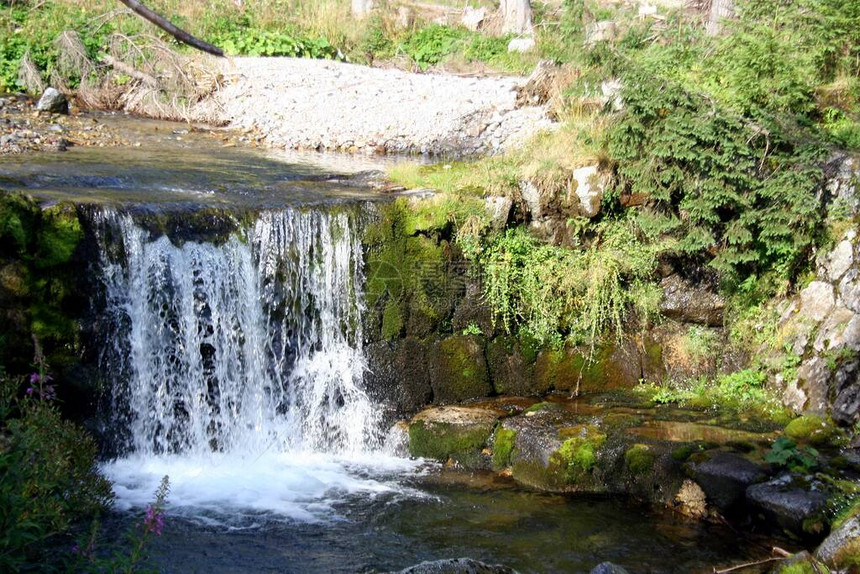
x=249 y=345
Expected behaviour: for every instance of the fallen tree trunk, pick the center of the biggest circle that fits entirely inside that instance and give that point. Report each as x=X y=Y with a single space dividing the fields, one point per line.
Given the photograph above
x=177 y=33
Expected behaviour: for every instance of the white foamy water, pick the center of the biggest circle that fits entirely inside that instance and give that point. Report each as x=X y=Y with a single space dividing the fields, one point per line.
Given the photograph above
x=237 y=367
x=243 y=491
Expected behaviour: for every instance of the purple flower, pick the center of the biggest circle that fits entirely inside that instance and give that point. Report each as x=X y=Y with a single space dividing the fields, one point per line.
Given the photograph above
x=30 y=390
x=75 y=549
x=154 y=520
x=34 y=378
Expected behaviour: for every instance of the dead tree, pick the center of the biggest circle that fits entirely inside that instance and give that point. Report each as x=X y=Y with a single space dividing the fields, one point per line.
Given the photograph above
x=517 y=17
x=177 y=33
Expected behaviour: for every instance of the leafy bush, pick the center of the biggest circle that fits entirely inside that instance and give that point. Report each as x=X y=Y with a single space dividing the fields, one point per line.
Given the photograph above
x=246 y=42
x=785 y=453
x=431 y=44
x=48 y=475
x=730 y=192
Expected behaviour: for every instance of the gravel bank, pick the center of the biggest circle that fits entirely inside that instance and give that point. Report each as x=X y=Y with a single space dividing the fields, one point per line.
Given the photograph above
x=316 y=104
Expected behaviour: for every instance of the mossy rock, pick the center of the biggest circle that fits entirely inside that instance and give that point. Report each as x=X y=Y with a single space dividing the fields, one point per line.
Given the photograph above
x=59 y=236
x=458 y=433
x=609 y=367
x=392 y=321
x=510 y=371
x=458 y=370
x=504 y=441
x=639 y=459
x=577 y=455
x=801 y=563
x=810 y=429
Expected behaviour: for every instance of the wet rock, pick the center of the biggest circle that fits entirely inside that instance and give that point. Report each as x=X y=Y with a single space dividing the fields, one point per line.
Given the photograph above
x=53 y=101
x=841 y=548
x=580 y=370
x=472 y=311
x=458 y=433
x=690 y=303
x=511 y=370
x=458 y=369
x=846 y=405
x=608 y=568
x=725 y=478
x=457 y=566
x=797 y=510
x=398 y=376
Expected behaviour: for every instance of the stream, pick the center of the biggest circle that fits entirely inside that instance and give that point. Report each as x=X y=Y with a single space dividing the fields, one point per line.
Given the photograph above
x=228 y=287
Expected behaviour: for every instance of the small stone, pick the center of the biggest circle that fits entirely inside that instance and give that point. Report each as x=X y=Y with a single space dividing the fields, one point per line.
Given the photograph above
x=608 y=568
x=791 y=507
x=589 y=189
x=521 y=45
x=603 y=31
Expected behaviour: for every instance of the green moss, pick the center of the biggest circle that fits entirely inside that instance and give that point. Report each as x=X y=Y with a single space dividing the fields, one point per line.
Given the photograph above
x=811 y=429
x=503 y=447
x=681 y=454
x=621 y=421
x=847 y=513
x=59 y=236
x=441 y=441
x=577 y=455
x=392 y=321
x=460 y=369
x=639 y=459
x=539 y=407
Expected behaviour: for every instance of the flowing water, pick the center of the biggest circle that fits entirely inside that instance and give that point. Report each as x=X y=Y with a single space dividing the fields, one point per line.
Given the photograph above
x=235 y=366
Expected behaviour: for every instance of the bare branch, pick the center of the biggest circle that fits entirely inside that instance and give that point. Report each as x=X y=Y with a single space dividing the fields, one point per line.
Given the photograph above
x=165 y=25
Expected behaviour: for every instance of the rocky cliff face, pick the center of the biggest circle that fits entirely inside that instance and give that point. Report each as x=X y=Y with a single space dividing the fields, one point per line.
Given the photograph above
x=822 y=324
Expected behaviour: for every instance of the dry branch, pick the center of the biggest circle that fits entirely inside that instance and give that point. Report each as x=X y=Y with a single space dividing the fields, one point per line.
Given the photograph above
x=168 y=27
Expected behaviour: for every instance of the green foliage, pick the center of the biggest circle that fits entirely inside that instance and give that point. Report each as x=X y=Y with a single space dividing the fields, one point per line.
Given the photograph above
x=472 y=329
x=267 y=43
x=48 y=474
x=551 y=291
x=431 y=44
x=727 y=191
x=785 y=453
x=639 y=459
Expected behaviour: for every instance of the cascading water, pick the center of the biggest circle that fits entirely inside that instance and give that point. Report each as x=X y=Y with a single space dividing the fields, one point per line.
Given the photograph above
x=237 y=366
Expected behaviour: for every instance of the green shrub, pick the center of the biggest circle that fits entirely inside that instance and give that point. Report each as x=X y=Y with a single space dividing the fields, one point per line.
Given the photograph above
x=48 y=475
x=732 y=193
x=246 y=42
x=431 y=44
x=555 y=292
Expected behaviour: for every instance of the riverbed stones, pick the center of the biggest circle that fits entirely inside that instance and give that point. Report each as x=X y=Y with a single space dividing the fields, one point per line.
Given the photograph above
x=608 y=568
x=458 y=433
x=457 y=566
x=798 y=510
x=725 y=477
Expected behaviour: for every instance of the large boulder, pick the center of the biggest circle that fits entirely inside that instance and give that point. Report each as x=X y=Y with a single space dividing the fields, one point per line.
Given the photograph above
x=511 y=367
x=725 y=478
x=53 y=101
x=841 y=549
x=795 y=509
x=458 y=433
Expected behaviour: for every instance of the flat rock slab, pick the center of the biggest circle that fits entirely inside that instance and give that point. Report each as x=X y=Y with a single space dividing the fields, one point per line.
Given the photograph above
x=320 y=104
x=792 y=507
x=726 y=477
